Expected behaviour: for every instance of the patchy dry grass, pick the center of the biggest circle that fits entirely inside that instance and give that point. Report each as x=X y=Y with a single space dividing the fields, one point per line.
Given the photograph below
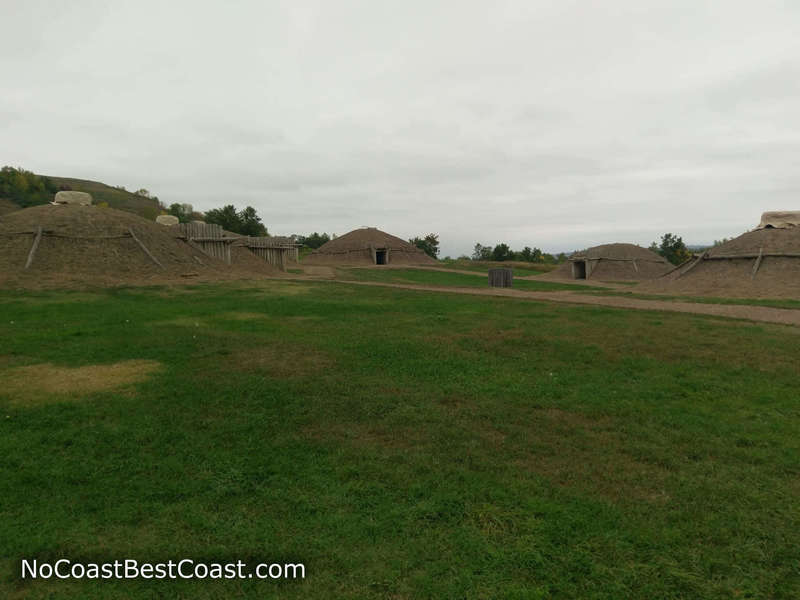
x=284 y=288
x=244 y=316
x=589 y=454
x=194 y=322
x=280 y=361
x=46 y=382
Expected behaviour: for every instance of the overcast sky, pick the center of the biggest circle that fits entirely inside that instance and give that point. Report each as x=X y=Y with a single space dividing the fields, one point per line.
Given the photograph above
x=558 y=124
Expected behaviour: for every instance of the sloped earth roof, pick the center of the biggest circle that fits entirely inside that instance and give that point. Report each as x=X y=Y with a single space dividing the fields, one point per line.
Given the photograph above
x=772 y=240
x=361 y=239
x=620 y=251
x=92 y=245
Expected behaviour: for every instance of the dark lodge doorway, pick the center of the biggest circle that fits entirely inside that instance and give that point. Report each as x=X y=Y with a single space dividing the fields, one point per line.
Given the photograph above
x=579 y=269
x=380 y=257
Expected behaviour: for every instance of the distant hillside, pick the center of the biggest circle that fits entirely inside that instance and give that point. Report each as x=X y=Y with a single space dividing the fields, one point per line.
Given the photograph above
x=116 y=198
x=20 y=188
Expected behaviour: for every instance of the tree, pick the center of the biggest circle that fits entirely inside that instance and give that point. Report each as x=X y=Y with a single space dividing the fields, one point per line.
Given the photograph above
x=246 y=222
x=531 y=255
x=184 y=212
x=226 y=217
x=672 y=248
x=251 y=223
x=314 y=240
x=25 y=188
x=429 y=244
x=482 y=252
x=502 y=252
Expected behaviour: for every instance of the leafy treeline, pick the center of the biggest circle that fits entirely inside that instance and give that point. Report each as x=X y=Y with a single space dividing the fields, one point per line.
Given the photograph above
x=184 y=212
x=243 y=222
x=672 y=248
x=313 y=240
x=503 y=252
x=25 y=188
x=428 y=244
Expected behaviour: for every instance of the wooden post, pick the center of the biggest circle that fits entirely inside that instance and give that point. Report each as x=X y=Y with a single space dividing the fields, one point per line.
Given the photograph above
x=143 y=247
x=693 y=265
x=500 y=277
x=37 y=238
x=758 y=262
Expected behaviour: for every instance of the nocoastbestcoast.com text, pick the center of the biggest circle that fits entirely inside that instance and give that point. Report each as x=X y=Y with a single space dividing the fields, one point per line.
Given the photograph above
x=172 y=569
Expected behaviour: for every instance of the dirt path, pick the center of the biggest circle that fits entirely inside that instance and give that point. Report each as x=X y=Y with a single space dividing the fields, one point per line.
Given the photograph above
x=783 y=316
x=539 y=277
x=420 y=268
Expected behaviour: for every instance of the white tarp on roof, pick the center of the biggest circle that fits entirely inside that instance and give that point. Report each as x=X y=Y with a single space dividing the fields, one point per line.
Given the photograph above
x=167 y=220
x=781 y=219
x=81 y=198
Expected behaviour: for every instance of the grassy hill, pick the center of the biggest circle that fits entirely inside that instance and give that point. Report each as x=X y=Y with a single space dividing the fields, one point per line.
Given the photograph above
x=20 y=188
x=116 y=198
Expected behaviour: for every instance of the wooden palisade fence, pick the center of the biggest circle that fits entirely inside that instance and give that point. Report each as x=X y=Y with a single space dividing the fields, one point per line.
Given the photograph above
x=500 y=277
x=275 y=252
x=209 y=239
x=213 y=241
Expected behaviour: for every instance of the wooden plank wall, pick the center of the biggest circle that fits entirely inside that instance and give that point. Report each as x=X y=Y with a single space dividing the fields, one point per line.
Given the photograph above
x=266 y=248
x=500 y=277
x=209 y=238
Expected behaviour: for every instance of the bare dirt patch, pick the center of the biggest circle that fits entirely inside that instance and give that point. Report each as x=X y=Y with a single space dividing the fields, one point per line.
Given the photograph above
x=48 y=382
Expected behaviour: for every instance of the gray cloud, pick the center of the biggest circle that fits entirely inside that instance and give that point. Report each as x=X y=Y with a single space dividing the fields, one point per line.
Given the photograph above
x=560 y=125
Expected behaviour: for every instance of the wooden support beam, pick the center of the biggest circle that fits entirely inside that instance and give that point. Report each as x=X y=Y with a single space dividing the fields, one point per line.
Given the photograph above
x=758 y=262
x=591 y=267
x=700 y=259
x=37 y=238
x=143 y=247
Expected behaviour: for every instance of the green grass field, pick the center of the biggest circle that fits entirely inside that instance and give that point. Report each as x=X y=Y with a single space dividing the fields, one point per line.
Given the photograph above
x=115 y=197
x=399 y=443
